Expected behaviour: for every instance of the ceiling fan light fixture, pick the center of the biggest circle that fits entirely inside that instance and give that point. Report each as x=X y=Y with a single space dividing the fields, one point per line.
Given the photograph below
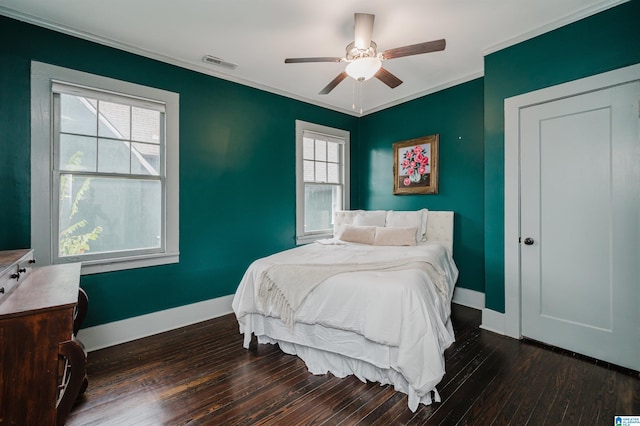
x=362 y=69
x=363 y=58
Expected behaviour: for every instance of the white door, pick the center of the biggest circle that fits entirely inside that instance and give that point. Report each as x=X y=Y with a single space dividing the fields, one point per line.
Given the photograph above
x=580 y=223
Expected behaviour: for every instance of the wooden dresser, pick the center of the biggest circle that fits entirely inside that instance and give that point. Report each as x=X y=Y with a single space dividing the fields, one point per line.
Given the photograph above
x=42 y=365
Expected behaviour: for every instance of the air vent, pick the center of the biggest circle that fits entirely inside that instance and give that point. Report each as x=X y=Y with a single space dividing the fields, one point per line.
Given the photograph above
x=212 y=60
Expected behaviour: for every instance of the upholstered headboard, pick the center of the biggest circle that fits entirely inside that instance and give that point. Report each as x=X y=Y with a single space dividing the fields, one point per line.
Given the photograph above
x=435 y=225
x=440 y=227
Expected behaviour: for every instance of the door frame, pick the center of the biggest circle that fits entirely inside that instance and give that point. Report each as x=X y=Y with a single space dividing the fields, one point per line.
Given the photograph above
x=512 y=107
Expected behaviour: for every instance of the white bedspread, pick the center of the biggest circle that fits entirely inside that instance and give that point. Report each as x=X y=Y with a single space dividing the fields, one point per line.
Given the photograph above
x=406 y=309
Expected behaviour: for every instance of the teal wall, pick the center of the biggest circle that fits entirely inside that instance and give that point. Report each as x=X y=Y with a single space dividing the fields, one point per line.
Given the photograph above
x=237 y=170
x=600 y=43
x=456 y=114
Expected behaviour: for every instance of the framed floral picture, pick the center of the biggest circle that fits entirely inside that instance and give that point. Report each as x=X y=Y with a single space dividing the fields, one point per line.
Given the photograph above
x=415 y=166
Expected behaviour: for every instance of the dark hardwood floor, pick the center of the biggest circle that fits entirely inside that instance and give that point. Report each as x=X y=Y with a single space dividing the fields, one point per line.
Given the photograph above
x=200 y=374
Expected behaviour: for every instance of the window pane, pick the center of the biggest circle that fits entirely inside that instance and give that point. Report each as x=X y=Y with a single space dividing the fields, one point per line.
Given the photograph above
x=333 y=151
x=321 y=150
x=78 y=115
x=307 y=148
x=145 y=125
x=113 y=156
x=320 y=201
x=309 y=171
x=100 y=215
x=145 y=159
x=77 y=153
x=333 y=175
x=115 y=120
x=321 y=172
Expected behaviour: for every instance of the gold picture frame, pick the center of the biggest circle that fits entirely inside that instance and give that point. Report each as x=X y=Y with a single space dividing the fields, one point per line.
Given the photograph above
x=415 y=166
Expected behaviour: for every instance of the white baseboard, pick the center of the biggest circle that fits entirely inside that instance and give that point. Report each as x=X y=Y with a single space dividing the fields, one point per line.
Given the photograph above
x=114 y=333
x=470 y=298
x=493 y=321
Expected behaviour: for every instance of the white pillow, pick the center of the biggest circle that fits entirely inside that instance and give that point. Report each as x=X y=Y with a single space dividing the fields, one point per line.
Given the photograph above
x=417 y=219
x=398 y=236
x=341 y=218
x=357 y=217
x=358 y=234
x=370 y=218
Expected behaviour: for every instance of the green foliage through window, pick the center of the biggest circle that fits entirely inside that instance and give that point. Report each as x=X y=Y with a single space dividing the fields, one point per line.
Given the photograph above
x=72 y=240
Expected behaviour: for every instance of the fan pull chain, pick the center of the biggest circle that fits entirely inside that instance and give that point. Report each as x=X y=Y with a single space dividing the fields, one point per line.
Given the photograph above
x=361 y=84
x=353 y=95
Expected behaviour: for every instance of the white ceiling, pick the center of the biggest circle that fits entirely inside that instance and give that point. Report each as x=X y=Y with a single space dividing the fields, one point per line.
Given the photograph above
x=258 y=35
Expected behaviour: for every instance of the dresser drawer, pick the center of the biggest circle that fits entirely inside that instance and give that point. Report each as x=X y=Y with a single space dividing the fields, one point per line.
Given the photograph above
x=15 y=266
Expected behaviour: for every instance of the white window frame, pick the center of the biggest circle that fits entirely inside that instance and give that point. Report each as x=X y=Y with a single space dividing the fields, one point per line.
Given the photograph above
x=303 y=237
x=43 y=76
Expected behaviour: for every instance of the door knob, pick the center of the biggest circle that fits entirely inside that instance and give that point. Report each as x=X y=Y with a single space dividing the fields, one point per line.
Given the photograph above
x=528 y=241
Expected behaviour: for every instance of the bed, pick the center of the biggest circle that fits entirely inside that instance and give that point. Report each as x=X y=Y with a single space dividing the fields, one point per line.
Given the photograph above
x=374 y=301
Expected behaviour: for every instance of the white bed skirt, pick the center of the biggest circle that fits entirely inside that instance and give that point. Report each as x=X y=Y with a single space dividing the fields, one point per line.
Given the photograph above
x=340 y=352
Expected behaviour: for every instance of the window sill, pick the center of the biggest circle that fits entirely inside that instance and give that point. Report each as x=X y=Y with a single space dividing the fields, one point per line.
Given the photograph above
x=143 y=261
x=311 y=238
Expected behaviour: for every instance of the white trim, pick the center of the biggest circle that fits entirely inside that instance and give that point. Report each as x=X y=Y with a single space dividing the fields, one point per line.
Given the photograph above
x=446 y=85
x=512 y=107
x=42 y=77
x=301 y=127
x=114 y=333
x=207 y=70
x=553 y=25
x=85 y=35
x=131 y=262
x=127 y=330
x=470 y=298
x=493 y=321
x=197 y=67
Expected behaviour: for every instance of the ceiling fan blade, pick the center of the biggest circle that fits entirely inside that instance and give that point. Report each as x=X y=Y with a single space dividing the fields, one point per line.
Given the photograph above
x=333 y=83
x=387 y=78
x=306 y=60
x=363 y=30
x=415 y=49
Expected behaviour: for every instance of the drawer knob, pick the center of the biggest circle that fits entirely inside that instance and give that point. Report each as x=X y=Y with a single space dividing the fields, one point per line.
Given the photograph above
x=15 y=276
x=22 y=270
x=1 y=290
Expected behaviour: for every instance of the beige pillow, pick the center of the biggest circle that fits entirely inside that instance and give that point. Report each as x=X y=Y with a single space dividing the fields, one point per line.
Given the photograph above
x=418 y=218
x=395 y=236
x=357 y=218
x=358 y=234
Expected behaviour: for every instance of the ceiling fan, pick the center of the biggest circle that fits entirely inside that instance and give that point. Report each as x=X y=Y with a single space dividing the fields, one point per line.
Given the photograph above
x=364 y=60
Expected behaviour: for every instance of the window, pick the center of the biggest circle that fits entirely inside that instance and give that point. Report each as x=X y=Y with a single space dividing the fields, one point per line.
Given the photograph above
x=322 y=179
x=104 y=171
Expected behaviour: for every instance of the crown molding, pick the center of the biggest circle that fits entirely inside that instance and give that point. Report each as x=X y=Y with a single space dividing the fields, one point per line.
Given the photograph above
x=430 y=91
x=554 y=25
x=202 y=69
x=84 y=35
